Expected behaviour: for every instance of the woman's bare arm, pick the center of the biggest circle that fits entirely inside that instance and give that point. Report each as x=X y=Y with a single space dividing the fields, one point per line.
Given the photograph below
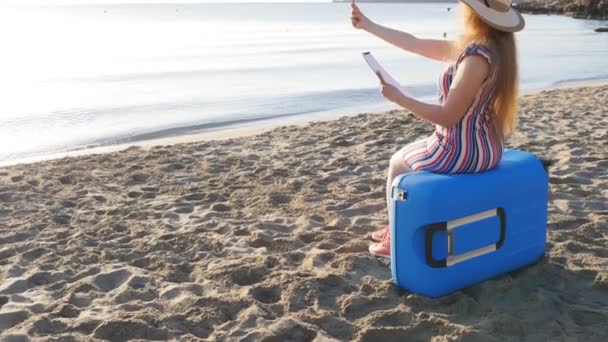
x=469 y=78
x=440 y=50
x=436 y=49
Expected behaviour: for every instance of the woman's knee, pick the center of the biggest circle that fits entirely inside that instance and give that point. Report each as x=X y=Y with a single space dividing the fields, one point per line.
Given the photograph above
x=398 y=165
x=396 y=160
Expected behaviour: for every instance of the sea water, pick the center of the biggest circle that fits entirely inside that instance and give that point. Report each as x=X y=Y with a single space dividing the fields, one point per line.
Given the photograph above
x=77 y=76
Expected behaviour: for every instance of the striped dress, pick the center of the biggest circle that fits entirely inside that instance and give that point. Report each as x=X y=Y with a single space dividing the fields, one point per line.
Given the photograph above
x=472 y=144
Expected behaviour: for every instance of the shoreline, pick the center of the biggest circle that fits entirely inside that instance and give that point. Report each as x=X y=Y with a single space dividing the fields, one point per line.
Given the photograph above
x=251 y=128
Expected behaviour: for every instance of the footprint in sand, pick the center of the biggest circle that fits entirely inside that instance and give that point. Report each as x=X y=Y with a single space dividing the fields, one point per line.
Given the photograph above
x=214 y=197
x=275 y=244
x=17 y=178
x=394 y=334
x=356 y=306
x=248 y=275
x=336 y=327
x=221 y=207
x=66 y=180
x=68 y=311
x=287 y=330
x=184 y=208
x=11 y=319
x=308 y=237
x=109 y=281
x=138 y=178
x=274 y=227
x=80 y=300
x=179 y=273
x=278 y=198
x=394 y=318
x=311 y=221
x=317 y=259
x=34 y=253
x=364 y=169
x=170 y=216
x=135 y=168
x=46 y=326
x=7 y=197
x=67 y=204
x=267 y=295
x=134 y=194
x=179 y=290
x=173 y=167
x=100 y=198
x=129 y=330
x=194 y=197
x=359 y=188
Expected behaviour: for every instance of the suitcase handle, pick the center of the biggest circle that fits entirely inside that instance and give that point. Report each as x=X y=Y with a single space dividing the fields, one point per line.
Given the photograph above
x=450 y=226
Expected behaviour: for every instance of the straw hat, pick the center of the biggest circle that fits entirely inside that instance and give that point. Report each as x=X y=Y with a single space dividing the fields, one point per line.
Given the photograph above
x=498 y=14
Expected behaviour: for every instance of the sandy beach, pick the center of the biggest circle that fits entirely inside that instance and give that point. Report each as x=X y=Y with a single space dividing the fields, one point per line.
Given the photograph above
x=264 y=238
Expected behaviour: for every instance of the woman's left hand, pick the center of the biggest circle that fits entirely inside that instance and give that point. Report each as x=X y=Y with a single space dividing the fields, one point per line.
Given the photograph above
x=389 y=91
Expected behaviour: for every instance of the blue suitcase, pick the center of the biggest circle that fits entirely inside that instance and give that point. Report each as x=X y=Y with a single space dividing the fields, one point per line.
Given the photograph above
x=451 y=231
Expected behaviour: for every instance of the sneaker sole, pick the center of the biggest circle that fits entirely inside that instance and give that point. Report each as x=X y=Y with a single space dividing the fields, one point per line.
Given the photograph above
x=380 y=255
x=376 y=239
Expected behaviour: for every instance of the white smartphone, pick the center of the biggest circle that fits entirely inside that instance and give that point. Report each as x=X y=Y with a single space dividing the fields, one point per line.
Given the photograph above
x=377 y=68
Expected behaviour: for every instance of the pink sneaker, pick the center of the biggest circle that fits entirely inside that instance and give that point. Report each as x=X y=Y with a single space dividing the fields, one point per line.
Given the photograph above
x=379 y=235
x=382 y=249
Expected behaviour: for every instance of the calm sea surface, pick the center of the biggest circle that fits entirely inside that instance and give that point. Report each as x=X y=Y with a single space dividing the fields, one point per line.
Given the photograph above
x=80 y=76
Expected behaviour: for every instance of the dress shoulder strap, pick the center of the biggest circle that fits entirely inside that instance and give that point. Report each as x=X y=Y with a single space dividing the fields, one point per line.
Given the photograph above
x=485 y=52
x=477 y=49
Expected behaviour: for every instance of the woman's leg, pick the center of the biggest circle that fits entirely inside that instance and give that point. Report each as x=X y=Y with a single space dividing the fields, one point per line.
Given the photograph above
x=397 y=166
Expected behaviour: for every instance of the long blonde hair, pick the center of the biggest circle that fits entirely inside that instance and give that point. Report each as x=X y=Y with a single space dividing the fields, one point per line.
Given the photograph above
x=504 y=51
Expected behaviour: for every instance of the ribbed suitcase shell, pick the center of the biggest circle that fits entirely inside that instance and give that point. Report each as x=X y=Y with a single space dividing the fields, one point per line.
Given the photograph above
x=426 y=205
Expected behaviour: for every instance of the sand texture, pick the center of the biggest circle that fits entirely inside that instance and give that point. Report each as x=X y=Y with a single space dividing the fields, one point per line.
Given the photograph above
x=264 y=238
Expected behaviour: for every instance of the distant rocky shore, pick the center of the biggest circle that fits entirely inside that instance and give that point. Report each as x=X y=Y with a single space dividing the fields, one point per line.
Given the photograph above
x=581 y=9
x=400 y=1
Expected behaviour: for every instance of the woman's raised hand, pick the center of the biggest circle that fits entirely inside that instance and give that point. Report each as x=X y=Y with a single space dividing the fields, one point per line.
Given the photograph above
x=358 y=19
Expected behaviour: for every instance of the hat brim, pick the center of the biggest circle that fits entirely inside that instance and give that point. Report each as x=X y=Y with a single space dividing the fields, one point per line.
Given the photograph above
x=510 y=21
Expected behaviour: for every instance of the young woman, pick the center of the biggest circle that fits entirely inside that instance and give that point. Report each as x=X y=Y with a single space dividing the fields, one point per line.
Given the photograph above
x=478 y=95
